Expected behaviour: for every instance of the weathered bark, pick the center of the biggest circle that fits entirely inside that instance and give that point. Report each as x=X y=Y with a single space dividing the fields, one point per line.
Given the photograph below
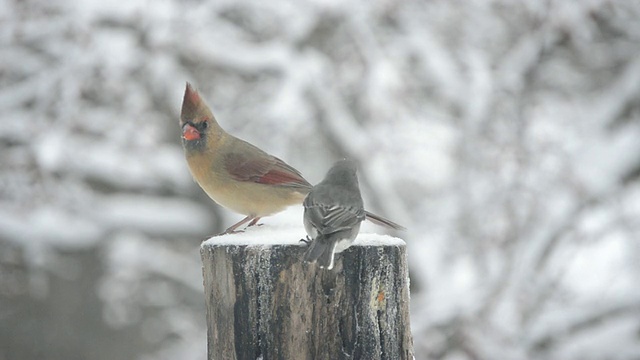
x=263 y=302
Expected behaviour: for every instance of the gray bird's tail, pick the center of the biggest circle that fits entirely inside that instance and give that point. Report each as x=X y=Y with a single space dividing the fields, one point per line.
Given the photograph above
x=322 y=251
x=379 y=220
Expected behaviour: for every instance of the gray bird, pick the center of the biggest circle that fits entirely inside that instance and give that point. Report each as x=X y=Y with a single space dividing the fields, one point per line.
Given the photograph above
x=333 y=211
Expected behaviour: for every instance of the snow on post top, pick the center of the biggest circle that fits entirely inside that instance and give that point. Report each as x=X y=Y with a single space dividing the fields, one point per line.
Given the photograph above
x=286 y=228
x=268 y=235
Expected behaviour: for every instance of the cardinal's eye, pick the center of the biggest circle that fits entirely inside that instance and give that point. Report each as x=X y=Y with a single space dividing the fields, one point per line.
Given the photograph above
x=205 y=124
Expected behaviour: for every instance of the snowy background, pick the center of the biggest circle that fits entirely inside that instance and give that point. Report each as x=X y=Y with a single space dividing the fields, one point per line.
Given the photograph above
x=504 y=134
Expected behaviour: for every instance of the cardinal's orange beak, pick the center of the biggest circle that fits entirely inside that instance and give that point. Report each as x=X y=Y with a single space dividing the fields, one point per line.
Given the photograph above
x=189 y=132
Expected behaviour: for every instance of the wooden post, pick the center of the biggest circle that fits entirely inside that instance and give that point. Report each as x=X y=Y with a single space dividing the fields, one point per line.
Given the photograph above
x=264 y=302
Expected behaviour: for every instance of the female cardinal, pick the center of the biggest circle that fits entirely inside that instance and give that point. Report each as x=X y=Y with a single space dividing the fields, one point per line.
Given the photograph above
x=236 y=174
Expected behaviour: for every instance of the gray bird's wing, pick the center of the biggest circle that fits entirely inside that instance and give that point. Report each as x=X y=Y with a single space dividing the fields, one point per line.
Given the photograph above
x=332 y=218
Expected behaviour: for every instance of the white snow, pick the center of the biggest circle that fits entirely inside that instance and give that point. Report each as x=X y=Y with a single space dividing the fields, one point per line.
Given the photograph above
x=286 y=229
x=153 y=215
x=49 y=226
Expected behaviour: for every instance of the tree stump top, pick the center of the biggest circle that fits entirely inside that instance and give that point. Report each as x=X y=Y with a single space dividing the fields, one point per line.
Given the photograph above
x=288 y=235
